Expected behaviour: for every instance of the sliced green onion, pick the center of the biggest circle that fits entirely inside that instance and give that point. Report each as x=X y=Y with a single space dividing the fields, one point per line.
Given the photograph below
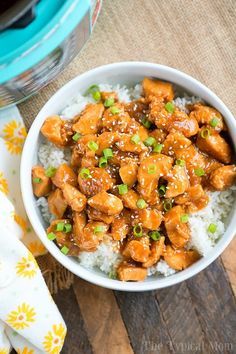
x=150 y=141
x=135 y=139
x=109 y=102
x=67 y=228
x=50 y=171
x=212 y=228
x=162 y=190
x=141 y=204
x=155 y=235
x=138 y=230
x=51 y=236
x=157 y=148
x=76 y=136
x=180 y=162
x=92 y=145
x=115 y=110
x=108 y=153
x=98 y=229
x=184 y=218
x=146 y=123
x=64 y=250
x=152 y=169
x=112 y=275
x=92 y=89
x=199 y=172
x=214 y=122
x=167 y=204
x=96 y=95
x=102 y=162
x=37 y=180
x=85 y=173
x=123 y=189
x=169 y=107
x=205 y=133
x=60 y=226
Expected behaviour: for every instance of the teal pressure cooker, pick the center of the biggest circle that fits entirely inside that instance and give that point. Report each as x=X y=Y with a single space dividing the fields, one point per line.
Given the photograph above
x=38 y=38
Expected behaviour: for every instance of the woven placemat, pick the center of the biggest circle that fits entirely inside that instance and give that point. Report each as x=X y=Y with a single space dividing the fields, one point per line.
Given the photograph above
x=195 y=36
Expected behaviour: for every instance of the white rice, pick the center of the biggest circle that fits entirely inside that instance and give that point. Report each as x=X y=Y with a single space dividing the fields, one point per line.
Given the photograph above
x=105 y=257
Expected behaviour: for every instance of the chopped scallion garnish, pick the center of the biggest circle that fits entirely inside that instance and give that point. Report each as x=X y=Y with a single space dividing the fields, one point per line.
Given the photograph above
x=199 y=172
x=169 y=107
x=67 y=228
x=92 y=89
x=96 y=95
x=212 y=228
x=146 y=123
x=135 y=139
x=76 y=136
x=162 y=190
x=98 y=229
x=141 y=204
x=184 y=218
x=123 y=189
x=109 y=102
x=108 y=153
x=102 y=162
x=205 y=133
x=85 y=173
x=64 y=250
x=37 y=180
x=51 y=236
x=180 y=162
x=167 y=204
x=138 y=231
x=214 y=122
x=50 y=171
x=92 y=145
x=155 y=235
x=157 y=148
x=60 y=226
x=150 y=141
x=115 y=110
x=152 y=169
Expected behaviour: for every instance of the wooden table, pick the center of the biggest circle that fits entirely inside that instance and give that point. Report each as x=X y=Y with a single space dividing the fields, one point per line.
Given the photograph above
x=198 y=315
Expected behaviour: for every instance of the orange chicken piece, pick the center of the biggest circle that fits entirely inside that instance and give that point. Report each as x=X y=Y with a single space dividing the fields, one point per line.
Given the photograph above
x=97 y=215
x=56 y=203
x=130 y=199
x=128 y=174
x=64 y=174
x=150 y=218
x=175 y=141
x=214 y=145
x=99 y=180
x=181 y=258
x=138 y=250
x=205 y=114
x=194 y=199
x=129 y=272
x=106 y=140
x=120 y=227
x=41 y=183
x=88 y=240
x=80 y=221
x=178 y=181
x=89 y=121
x=105 y=95
x=159 y=135
x=106 y=203
x=75 y=199
x=118 y=122
x=157 y=250
x=158 y=88
x=177 y=231
x=222 y=178
x=52 y=129
x=125 y=144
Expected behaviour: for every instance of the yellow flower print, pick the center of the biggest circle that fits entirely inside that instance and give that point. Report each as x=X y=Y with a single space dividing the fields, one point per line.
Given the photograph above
x=3 y=184
x=54 y=339
x=14 y=135
x=21 y=222
x=25 y=350
x=21 y=318
x=37 y=248
x=27 y=267
x=4 y=351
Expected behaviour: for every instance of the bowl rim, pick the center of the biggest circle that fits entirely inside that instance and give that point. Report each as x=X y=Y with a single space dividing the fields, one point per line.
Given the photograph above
x=69 y=263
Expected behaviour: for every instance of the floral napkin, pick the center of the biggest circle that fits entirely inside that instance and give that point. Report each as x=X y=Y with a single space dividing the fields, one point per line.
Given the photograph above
x=29 y=319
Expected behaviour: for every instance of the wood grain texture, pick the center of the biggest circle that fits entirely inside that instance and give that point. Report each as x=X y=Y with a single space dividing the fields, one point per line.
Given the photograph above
x=229 y=261
x=104 y=325
x=77 y=341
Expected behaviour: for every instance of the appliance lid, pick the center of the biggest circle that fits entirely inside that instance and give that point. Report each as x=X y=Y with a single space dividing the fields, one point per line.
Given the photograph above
x=22 y=48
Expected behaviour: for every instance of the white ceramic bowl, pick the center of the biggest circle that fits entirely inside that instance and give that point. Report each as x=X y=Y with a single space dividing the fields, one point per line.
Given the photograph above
x=123 y=73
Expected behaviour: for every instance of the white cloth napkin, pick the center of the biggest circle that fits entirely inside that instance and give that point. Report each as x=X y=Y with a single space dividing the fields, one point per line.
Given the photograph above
x=29 y=318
